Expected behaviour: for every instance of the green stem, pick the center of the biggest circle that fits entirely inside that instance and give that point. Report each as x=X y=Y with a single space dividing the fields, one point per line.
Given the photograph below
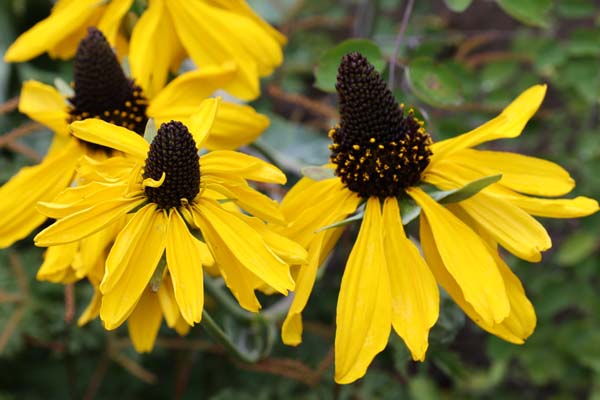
x=219 y=335
x=232 y=307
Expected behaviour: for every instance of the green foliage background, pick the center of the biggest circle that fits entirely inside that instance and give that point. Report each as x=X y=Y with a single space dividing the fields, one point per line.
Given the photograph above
x=460 y=62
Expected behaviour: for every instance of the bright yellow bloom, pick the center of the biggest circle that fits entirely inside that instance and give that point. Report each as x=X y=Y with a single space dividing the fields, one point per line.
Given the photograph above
x=170 y=193
x=61 y=32
x=380 y=156
x=210 y=32
x=103 y=91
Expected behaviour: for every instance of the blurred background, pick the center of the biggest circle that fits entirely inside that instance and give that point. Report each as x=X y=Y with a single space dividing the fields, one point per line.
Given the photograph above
x=458 y=63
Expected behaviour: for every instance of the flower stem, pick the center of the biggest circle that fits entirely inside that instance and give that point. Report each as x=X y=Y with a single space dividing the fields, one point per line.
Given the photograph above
x=219 y=335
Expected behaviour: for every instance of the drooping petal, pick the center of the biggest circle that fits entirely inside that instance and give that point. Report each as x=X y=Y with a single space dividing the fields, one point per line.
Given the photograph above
x=364 y=309
x=86 y=222
x=513 y=228
x=144 y=322
x=306 y=216
x=415 y=295
x=168 y=304
x=579 y=206
x=181 y=97
x=155 y=48
x=290 y=251
x=466 y=259
x=516 y=327
x=249 y=199
x=44 y=104
x=94 y=247
x=18 y=215
x=111 y=19
x=50 y=31
x=57 y=263
x=521 y=173
x=255 y=51
x=92 y=310
x=231 y=163
x=508 y=124
x=115 y=137
x=184 y=262
x=235 y=126
x=230 y=237
x=291 y=330
x=131 y=263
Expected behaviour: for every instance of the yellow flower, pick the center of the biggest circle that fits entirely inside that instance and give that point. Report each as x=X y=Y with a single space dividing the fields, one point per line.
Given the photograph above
x=145 y=319
x=61 y=32
x=170 y=193
x=101 y=90
x=210 y=32
x=380 y=155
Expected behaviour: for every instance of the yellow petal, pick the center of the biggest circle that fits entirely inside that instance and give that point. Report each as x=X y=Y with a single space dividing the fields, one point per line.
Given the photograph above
x=94 y=248
x=92 y=310
x=184 y=262
x=520 y=322
x=466 y=258
x=57 y=262
x=18 y=215
x=111 y=19
x=50 y=31
x=86 y=222
x=44 y=104
x=580 y=206
x=510 y=226
x=521 y=173
x=415 y=295
x=181 y=97
x=168 y=304
x=229 y=236
x=232 y=163
x=364 y=309
x=144 y=322
x=131 y=263
x=154 y=48
x=290 y=251
x=147 y=223
x=236 y=125
x=115 y=137
x=319 y=248
x=508 y=124
x=201 y=122
x=213 y=35
x=249 y=199
x=306 y=215
x=242 y=8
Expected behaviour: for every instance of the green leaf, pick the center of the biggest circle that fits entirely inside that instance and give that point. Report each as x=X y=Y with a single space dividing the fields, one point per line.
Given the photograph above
x=498 y=74
x=434 y=84
x=584 y=42
x=469 y=190
x=326 y=71
x=529 y=12
x=458 y=5
x=360 y=212
x=317 y=173
x=575 y=8
x=577 y=248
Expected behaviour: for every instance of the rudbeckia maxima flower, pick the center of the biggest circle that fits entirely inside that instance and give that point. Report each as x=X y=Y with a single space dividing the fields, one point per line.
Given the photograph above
x=380 y=154
x=101 y=90
x=210 y=32
x=168 y=191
